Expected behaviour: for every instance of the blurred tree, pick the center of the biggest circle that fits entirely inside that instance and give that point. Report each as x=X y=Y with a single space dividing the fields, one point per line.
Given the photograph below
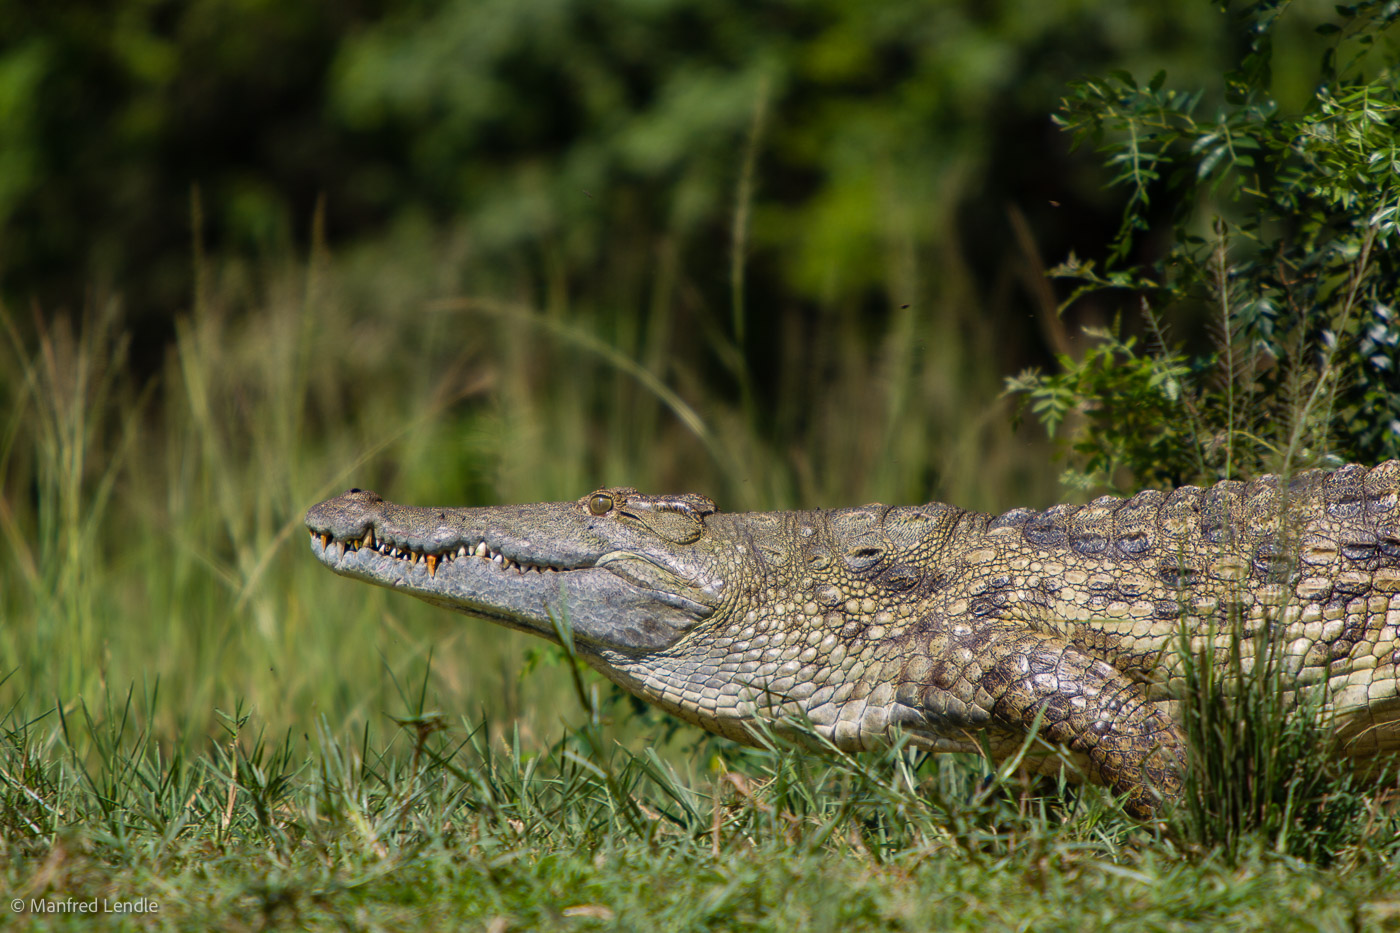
x=557 y=133
x=110 y=116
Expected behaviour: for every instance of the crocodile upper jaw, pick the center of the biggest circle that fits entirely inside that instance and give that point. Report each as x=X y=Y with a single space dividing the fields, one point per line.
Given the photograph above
x=534 y=581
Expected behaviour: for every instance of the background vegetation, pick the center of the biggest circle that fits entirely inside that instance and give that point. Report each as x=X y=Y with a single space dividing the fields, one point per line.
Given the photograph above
x=784 y=254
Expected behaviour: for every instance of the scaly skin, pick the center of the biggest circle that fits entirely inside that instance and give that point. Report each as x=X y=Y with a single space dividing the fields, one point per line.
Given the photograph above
x=953 y=626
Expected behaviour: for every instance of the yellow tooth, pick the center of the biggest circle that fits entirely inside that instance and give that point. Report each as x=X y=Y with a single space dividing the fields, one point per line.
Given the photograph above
x=432 y=565
x=325 y=540
x=369 y=537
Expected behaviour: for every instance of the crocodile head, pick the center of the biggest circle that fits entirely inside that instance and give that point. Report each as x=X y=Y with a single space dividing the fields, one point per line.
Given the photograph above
x=625 y=572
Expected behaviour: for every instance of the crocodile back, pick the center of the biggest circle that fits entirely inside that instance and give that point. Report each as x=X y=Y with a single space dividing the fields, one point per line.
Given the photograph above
x=1314 y=562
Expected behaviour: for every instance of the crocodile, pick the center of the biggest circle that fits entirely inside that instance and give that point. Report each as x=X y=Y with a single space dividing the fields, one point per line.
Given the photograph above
x=965 y=631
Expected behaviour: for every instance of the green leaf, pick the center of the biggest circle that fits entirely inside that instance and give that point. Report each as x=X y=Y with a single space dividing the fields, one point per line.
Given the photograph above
x=1123 y=77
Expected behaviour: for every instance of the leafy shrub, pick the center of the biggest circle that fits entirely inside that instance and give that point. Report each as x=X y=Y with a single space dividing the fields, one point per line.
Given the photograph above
x=1283 y=235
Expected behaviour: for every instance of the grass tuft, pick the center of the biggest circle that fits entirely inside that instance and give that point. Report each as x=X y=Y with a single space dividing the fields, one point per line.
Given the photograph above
x=1266 y=770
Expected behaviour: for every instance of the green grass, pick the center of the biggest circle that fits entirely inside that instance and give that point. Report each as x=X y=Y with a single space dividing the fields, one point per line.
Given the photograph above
x=195 y=713
x=455 y=824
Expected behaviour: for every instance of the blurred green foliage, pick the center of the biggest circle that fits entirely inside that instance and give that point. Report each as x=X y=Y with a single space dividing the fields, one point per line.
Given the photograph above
x=553 y=135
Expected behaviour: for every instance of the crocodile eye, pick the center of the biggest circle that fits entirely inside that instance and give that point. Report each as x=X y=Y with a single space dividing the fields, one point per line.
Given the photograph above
x=600 y=504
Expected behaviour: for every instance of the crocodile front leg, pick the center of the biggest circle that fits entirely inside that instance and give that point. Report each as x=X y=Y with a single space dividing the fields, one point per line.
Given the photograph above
x=1003 y=677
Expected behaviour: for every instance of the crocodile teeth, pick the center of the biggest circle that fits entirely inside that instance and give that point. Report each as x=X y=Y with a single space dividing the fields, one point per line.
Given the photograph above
x=433 y=561
x=325 y=540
